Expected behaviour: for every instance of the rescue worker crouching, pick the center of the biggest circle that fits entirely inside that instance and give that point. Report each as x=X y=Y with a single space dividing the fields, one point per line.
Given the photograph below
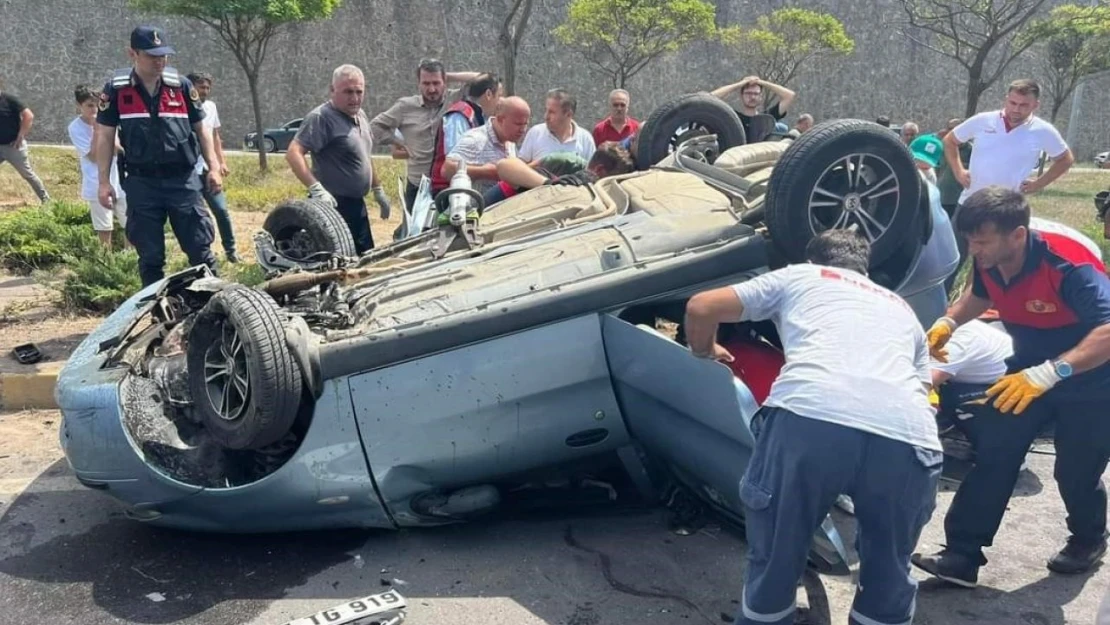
x=157 y=113
x=1053 y=296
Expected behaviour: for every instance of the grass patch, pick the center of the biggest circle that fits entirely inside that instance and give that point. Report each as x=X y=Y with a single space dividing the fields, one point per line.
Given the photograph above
x=40 y=238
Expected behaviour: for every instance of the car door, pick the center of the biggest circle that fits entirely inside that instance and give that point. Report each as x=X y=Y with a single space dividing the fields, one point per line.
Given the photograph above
x=692 y=417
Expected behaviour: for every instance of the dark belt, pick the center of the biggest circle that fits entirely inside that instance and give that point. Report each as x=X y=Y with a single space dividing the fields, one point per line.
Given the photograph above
x=159 y=171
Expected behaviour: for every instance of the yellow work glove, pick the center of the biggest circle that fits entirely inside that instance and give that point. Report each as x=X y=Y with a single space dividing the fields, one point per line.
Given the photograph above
x=938 y=336
x=1017 y=390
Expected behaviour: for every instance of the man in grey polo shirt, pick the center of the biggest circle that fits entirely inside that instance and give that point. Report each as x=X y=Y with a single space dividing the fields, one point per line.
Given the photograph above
x=481 y=148
x=337 y=134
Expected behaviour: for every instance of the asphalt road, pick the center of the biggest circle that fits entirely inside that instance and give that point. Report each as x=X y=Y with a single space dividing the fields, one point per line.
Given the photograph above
x=67 y=555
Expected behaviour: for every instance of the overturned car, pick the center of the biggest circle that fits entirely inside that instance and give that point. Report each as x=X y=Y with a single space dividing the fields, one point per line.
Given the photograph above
x=477 y=367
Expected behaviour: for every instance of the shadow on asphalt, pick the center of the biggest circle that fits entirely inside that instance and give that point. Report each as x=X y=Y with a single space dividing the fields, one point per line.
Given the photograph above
x=1038 y=603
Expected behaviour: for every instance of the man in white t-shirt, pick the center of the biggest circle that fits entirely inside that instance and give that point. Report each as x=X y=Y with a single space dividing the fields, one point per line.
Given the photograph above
x=1008 y=144
x=558 y=132
x=217 y=202
x=977 y=354
x=81 y=136
x=849 y=413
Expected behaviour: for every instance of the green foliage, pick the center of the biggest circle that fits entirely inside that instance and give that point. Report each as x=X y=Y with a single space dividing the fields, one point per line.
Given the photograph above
x=622 y=37
x=983 y=36
x=40 y=238
x=782 y=42
x=273 y=11
x=100 y=280
x=1075 y=44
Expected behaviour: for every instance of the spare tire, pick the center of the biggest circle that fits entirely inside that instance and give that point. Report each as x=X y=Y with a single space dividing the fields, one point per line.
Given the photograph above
x=303 y=229
x=844 y=173
x=243 y=379
x=683 y=118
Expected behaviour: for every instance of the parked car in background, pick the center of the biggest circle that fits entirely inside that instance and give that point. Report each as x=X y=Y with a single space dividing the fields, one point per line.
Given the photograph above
x=273 y=139
x=1102 y=160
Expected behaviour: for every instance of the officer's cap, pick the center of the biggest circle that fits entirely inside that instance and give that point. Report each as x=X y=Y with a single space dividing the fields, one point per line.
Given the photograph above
x=151 y=40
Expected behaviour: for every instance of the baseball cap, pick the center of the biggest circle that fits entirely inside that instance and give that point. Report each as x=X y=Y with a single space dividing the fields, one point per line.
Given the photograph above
x=927 y=149
x=151 y=40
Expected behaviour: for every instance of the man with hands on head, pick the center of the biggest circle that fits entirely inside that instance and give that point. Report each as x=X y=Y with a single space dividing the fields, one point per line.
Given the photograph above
x=1054 y=301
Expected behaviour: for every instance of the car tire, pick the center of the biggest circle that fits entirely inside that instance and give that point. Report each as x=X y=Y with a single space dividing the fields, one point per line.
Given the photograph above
x=244 y=381
x=683 y=118
x=304 y=228
x=269 y=144
x=810 y=190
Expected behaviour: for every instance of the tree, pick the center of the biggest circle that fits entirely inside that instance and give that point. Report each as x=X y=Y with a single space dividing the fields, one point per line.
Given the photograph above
x=513 y=28
x=622 y=37
x=246 y=27
x=782 y=42
x=1075 y=44
x=984 y=36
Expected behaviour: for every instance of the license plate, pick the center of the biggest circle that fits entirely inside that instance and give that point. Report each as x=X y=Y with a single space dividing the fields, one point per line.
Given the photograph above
x=355 y=610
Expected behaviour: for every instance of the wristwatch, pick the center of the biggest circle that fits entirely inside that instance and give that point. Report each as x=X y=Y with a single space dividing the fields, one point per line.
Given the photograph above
x=1063 y=369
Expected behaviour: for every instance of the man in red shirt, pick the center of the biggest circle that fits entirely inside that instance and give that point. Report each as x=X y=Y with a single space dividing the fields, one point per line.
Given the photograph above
x=618 y=126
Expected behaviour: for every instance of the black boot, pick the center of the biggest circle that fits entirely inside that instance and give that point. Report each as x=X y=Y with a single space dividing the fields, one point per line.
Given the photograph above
x=952 y=567
x=1077 y=556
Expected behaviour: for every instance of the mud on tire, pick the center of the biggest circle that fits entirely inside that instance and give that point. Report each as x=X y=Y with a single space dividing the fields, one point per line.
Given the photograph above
x=303 y=228
x=844 y=173
x=693 y=114
x=243 y=379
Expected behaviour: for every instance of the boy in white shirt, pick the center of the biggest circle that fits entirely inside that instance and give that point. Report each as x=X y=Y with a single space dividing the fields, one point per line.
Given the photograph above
x=81 y=136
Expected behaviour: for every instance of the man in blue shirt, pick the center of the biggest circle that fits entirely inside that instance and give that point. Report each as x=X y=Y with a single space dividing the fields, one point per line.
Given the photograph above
x=1053 y=296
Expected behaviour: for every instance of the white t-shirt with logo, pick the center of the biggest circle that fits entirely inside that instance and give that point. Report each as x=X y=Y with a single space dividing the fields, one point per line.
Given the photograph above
x=1006 y=158
x=977 y=353
x=855 y=352
x=539 y=142
x=212 y=122
x=81 y=136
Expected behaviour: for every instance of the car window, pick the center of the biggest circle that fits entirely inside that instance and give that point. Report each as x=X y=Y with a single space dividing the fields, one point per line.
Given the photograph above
x=293 y=125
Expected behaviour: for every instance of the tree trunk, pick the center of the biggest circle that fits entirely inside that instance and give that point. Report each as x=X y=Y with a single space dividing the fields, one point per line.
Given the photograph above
x=1057 y=104
x=252 y=82
x=974 y=91
x=509 y=59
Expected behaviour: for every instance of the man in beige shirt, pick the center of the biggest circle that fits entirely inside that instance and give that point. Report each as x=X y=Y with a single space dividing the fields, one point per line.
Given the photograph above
x=417 y=117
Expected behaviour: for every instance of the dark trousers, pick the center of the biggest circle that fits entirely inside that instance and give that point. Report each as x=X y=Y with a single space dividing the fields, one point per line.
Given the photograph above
x=1082 y=435
x=217 y=203
x=150 y=201
x=353 y=210
x=799 y=467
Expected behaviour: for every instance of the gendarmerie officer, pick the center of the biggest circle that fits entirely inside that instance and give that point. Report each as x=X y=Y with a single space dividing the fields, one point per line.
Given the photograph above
x=159 y=117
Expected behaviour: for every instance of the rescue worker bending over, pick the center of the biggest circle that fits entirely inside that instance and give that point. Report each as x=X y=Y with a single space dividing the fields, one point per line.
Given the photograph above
x=849 y=413
x=158 y=115
x=1055 y=304
x=559 y=168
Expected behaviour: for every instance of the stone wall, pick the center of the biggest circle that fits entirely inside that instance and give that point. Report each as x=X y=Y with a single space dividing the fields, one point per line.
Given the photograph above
x=48 y=46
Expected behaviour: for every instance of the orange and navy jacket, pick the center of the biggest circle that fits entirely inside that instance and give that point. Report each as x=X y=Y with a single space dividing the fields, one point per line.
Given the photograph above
x=474 y=117
x=1059 y=296
x=155 y=131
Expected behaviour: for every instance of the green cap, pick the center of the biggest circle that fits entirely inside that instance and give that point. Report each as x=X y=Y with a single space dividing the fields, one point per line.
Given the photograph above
x=928 y=149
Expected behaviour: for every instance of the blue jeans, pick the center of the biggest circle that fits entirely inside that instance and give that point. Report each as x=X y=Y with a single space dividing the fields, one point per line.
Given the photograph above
x=799 y=467
x=217 y=203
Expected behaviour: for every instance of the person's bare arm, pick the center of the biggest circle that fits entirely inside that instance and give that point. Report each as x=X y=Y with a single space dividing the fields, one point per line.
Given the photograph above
x=969 y=307
x=1060 y=166
x=519 y=174
x=458 y=77
x=952 y=155
x=26 y=120
x=104 y=146
x=785 y=96
x=218 y=145
x=482 y=172
x=725 y=91
x=298 y=162
x=940 y=377
x=1093 y=351
x=207 y=148
x=704 y=313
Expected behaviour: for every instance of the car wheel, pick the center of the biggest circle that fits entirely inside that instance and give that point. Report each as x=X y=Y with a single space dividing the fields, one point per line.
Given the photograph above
x=684 y=118
x=269 y=145
x=243 y=378
x=840 y=174
x=303 y=229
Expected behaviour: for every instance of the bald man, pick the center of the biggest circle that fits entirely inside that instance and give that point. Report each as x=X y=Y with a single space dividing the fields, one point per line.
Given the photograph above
x=481 y=148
